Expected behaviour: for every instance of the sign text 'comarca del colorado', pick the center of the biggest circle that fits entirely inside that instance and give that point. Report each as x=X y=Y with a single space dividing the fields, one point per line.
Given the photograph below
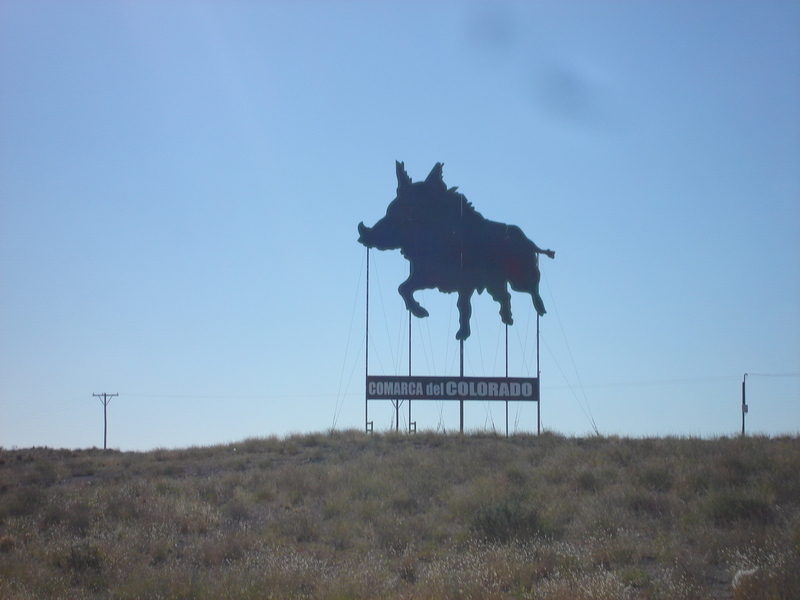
x=388 y=387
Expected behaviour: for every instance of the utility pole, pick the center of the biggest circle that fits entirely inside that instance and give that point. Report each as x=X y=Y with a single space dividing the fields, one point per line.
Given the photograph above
x=105 y=399
x=744 y=401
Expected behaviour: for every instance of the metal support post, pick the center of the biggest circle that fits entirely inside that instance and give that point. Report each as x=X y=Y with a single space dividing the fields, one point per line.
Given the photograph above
x=461 y=400
x=538 y=383
x=506 y=377
x=409 y=374
x=367 y=422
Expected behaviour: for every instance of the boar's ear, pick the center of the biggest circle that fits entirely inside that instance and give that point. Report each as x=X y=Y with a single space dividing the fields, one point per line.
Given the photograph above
x=435 y=176
x=403 y=180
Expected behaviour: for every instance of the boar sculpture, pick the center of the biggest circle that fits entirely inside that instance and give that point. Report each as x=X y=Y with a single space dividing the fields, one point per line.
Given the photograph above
x=452 y=247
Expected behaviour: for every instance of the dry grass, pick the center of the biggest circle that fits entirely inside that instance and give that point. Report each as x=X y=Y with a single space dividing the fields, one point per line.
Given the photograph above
x=350 y=516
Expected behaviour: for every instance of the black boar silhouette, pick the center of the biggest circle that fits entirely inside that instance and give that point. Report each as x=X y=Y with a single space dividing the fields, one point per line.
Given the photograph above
x=452 y=247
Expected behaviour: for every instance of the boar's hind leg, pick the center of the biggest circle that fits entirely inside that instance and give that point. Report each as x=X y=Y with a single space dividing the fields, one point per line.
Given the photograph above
x=530 y=285
x=500 y=294
x=537 y=299
x=407 y=289
x=538 y=304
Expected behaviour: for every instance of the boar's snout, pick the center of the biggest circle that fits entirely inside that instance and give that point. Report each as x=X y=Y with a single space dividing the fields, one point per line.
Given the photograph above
x=363 y=232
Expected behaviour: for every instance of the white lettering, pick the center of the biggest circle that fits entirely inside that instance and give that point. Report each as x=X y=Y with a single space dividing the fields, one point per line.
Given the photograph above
x=437 y=388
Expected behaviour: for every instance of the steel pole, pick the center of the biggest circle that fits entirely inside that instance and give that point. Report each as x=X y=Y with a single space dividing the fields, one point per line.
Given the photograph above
x=366 y=355
x=538 y=383
x=409 y=369
x=461 y=400
x=506 y=377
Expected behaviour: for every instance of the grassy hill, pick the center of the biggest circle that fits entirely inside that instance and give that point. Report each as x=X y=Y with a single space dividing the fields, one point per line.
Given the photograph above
x=346 y=515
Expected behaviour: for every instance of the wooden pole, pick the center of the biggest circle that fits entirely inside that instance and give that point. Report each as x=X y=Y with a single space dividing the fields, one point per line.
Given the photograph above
x=744 y=401
x=105 y=399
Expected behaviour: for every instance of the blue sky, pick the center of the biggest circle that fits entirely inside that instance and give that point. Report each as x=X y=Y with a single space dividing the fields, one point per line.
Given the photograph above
x=180 y=185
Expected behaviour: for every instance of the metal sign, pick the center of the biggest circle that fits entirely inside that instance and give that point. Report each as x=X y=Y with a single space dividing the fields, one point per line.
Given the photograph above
x=451 y=247
x=390 y=387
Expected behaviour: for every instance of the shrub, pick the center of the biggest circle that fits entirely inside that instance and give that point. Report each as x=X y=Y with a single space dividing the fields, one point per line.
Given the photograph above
x=728 y=508
x=587 y=481
x=82 y=563
x=237 y=511
x=648 y=504
x=635 y=577
x=76 y=516
x=22 y=501
x=506 y=521
x=656 y=479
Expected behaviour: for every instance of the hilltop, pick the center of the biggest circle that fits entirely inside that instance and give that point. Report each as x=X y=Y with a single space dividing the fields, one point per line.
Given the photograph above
x=347 y=515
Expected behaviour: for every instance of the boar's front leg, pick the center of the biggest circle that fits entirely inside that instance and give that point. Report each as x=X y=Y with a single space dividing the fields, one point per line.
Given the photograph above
x=407 y=289
x=464 y=313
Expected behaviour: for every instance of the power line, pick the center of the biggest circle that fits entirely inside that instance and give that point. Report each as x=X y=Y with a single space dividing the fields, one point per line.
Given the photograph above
x=339 y=396
x=588 y=411
x=772 y=374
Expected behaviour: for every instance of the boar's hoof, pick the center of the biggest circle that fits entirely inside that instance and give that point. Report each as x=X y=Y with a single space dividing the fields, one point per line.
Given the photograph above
x=418 y=311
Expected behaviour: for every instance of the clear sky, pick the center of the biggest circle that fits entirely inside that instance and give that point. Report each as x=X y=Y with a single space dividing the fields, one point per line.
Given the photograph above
x=180 y=185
